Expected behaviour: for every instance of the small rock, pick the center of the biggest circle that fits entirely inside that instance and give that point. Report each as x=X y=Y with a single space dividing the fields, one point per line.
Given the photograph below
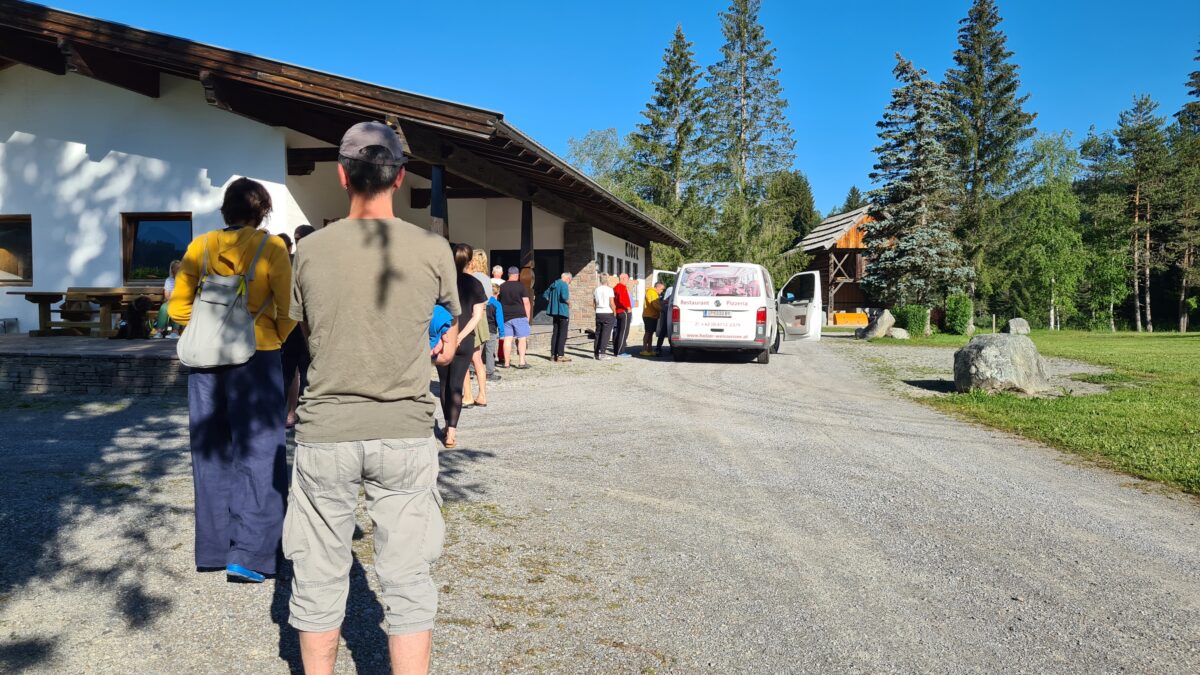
x=878 y=327
x=1017 y=326
x=996 y=362
x=897 y=333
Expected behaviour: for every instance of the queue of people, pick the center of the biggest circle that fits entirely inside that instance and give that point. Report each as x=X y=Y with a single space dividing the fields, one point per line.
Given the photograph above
x=350 y=372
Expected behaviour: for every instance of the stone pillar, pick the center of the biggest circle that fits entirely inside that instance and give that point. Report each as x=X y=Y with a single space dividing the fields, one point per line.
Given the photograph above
x=579 y=258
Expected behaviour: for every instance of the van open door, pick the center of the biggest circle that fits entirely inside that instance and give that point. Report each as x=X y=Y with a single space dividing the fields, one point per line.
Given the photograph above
x=800 y=307
x=667 y=279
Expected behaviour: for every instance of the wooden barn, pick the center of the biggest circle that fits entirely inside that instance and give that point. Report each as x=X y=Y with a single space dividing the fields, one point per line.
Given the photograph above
x=838 y=253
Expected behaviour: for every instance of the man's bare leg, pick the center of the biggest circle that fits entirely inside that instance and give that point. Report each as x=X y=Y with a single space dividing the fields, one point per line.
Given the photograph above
x=410 y=653
x=318 y=651
x=508 y=346
x=522 y=343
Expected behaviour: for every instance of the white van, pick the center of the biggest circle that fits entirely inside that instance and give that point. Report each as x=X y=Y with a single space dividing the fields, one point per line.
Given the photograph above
x=733 y=307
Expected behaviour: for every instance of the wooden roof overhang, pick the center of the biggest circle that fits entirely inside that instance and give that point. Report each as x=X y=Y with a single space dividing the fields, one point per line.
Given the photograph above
x=837 y=231
x=476 y=145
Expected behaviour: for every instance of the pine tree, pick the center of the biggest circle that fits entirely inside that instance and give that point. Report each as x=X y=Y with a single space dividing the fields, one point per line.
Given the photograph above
x=748 y=135
x=985 y=124
x=854 y=200
x=1105 y=228
x=665 y=146
x=1142 y=145
x=915 y=258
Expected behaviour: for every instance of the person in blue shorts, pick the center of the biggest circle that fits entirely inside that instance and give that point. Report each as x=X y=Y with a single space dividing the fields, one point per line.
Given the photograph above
x=518 y=311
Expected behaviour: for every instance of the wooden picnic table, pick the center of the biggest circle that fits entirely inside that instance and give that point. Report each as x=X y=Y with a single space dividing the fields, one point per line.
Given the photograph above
x=111 y=301
x=44 y=300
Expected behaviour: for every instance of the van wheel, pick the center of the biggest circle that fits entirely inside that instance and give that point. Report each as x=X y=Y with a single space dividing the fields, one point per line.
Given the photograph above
x=776 y=343
x=764 y=356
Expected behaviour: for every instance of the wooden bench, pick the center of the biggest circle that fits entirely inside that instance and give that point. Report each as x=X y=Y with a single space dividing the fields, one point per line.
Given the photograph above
x=76 y=316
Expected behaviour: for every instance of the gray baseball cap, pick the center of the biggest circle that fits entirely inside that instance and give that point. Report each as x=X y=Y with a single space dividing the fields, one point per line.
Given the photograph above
x=365 y=134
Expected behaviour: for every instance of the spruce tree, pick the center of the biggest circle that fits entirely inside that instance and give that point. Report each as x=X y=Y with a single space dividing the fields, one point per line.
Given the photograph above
x=749 y=137
x=914 y=255
x=854 y=200
x=665 y=146
x=985 y=124
x=1189 y=115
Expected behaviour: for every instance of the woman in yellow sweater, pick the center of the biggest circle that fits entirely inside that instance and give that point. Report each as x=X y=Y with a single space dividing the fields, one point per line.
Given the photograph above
x=239 y=463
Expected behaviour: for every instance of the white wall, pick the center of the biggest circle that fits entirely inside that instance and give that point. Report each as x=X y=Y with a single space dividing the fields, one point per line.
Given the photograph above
x=504 y=226
x=75 y=153
x=610 y=244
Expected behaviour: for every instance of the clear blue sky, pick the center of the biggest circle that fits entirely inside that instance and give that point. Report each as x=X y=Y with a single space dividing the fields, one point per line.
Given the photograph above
x=558 y=68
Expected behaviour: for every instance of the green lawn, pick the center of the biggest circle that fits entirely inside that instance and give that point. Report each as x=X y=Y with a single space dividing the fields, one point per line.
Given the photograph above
x=1148 y=425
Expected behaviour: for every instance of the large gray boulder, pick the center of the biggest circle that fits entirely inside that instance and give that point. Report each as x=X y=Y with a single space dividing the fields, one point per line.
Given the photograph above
x=998 y=362
x=897 y=333
x=878 y=327
x=1017 y=326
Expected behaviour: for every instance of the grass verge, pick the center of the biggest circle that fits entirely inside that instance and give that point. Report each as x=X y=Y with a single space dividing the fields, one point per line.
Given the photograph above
x=1147 y=425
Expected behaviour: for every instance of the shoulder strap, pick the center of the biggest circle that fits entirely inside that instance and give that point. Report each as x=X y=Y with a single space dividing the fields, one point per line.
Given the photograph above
x=269 y=302
x=204 y=258
x=254 y=261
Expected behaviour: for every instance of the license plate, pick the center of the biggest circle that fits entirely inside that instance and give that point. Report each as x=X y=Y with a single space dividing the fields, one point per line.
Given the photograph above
x=717 y=314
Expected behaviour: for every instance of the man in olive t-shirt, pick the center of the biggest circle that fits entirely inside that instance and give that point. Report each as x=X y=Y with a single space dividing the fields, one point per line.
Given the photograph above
x=365 y=288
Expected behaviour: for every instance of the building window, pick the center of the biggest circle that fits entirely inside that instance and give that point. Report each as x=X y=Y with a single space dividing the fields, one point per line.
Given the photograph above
x=150 y=241
x=610 y=265
x=16 y=250
x=635 y=270
x=599 y=263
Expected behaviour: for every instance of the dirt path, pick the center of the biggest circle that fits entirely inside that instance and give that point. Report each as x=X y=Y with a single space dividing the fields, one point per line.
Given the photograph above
x=636 y=516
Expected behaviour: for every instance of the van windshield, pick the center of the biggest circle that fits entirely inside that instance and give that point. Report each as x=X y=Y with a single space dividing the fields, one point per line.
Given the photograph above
x=720 y=281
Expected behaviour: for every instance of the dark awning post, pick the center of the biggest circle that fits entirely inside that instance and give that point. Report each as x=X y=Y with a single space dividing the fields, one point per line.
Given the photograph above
x=527 y=244
x=437 y=202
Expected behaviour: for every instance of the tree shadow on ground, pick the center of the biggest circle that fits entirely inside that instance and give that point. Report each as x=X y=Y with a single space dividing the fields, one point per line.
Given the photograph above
x=63 y=467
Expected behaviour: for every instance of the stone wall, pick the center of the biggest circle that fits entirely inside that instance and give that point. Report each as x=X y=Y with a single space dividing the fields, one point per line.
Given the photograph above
x=579 y=258
x=115 y=375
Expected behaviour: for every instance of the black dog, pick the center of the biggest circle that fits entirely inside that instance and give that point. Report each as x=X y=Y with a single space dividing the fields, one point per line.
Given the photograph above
x=134 y=324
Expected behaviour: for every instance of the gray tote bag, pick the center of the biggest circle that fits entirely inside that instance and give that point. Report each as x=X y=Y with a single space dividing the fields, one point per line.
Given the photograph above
x=221 y=331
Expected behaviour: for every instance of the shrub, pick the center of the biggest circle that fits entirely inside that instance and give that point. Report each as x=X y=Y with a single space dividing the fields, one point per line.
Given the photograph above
x=911 y=318
x=959 y=309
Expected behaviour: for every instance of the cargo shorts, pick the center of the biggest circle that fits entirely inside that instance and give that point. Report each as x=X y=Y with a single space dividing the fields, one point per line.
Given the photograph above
x=399 y=477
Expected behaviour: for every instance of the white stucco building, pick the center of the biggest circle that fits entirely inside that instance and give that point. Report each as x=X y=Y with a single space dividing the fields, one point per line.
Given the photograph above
x=116 y=145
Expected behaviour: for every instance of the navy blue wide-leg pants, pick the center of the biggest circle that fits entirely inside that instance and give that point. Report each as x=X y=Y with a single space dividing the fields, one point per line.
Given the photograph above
x=239 y=462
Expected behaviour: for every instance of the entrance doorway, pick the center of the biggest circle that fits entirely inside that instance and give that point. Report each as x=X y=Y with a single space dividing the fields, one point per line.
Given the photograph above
x=547 y=266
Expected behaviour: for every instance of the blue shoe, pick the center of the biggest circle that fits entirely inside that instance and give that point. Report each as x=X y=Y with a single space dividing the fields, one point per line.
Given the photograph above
x=239 y=573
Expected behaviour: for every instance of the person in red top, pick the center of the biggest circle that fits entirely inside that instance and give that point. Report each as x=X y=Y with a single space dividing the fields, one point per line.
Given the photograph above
x=624 y=304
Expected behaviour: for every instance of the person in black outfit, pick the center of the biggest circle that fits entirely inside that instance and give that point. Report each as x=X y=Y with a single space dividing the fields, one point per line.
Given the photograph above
x=451 y=377
x=294 y=352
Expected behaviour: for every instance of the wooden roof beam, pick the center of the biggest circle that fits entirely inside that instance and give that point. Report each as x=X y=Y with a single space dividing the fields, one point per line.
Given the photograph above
x=275 y=110
x=107 y=67
x=19 y=47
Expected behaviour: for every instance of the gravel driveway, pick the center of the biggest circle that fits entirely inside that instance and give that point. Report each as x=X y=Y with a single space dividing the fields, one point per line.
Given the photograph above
x=634 y=516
